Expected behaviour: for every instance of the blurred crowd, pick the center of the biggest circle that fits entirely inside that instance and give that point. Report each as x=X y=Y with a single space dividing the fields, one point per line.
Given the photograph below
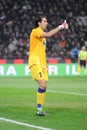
x=16 y=23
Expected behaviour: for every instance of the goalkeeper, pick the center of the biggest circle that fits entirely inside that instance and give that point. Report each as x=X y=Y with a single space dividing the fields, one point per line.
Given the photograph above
x=37 y=57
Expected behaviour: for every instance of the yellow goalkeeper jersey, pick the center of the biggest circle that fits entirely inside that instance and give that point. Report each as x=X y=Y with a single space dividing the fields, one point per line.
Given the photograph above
x=37 y=51
x=82 y=55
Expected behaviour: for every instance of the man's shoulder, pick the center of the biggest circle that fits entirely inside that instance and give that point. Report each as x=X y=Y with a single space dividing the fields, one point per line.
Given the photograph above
x=36 y=29
x=80 y=51
x=37 y=32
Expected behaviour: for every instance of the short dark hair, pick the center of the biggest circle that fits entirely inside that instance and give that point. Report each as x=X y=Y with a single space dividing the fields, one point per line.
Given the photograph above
x=38 y=19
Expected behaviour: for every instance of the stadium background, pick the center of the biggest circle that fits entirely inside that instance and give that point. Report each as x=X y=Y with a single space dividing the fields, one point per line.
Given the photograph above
x=66 y=98
x=16 y=22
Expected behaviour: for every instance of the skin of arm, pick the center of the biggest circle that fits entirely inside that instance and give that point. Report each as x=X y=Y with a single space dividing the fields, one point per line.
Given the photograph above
x=51 y=33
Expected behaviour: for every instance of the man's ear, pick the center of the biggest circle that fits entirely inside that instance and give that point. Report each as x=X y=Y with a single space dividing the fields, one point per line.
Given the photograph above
x=39 y=23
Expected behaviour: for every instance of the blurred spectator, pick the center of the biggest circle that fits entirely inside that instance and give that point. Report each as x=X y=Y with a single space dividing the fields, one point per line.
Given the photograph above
x=12 y=45
x=74 y=53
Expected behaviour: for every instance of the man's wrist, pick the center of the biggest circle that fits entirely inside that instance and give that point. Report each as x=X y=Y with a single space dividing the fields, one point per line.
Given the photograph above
x=61 y=27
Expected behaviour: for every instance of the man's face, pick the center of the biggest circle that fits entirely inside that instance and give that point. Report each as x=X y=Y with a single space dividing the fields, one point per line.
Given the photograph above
x=43 y=24
x=83 y=48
